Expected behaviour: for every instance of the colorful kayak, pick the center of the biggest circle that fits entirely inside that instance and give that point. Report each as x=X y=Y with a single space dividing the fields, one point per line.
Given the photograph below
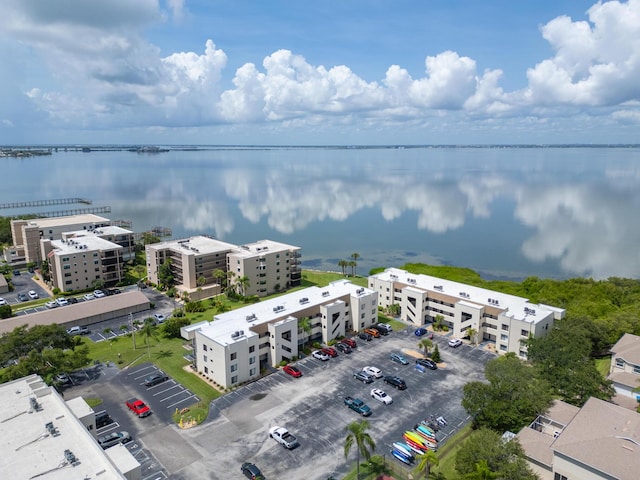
x=401 y=457
x=429 y=443
x=425 y=432
x=416 y=440
x=403 y=448
x=427 y=428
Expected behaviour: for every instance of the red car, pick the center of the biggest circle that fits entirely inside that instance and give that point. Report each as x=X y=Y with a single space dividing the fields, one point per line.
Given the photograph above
x=138 y=407
x=349 y=341
x=332 y=352
x=293 y=371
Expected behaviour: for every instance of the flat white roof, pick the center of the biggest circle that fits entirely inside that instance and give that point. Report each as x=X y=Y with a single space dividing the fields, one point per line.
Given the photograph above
x=108 y=230
x=198 y=245
x=513 y=306
x=278 y=308
x=68 y=220
x=77 y=245
x=30 y=450
x=263 y=246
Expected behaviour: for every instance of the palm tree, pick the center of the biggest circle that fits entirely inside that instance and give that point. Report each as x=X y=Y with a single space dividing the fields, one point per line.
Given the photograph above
x=472 y=332
x=148 y=330
x=304 y=325
x=355 y=257
x=426 y=461
x=352 y=264
x=220 y=276
x=244 y=283
x=482 y=472
x=426 y=344
x=358 y=435
x=343 y=265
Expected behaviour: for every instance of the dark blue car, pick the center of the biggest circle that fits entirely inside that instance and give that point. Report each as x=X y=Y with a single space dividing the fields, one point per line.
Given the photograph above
x=420 y=331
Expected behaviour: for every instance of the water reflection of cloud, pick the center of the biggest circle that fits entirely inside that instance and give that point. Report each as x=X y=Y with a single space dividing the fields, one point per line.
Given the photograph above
x=592 y=230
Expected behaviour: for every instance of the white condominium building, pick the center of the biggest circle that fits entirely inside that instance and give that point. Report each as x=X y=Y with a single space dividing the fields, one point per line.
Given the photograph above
x=233 y=347
x=27 y=234
x=501 y=319
x=266 y=267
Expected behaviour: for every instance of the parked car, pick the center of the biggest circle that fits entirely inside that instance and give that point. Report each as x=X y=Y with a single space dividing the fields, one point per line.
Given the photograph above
x=138 y=407
x=78 y=330
x=385 y=326
x=16 y=273
x=396 y=357
x=343 y=347
x=380 y=330
x=63 y=379
x=420 y=332
x=365 y=336
x=99 y=294
x=320 y=356
x=373 y=371
x=381 y=396
x=102 y=419
x=455 y=342
x=51 y=304
x=33 y=295
x=22 y=297
x=114 y=438
x=332 y=352
x=358 y=406
x=62 y=302
x=88 y=296
x=155 y=379
x=72 y=300
x=250 y=471
x=283 y=437
x=363 y=377
x=395 y=382
x=293 y=371
x=349 y=341
x=2 y=301
x=373 y=332
x=425 y=362
x=159 y=318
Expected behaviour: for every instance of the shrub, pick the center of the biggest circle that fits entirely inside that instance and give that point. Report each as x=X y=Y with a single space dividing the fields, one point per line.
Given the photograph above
x=283 y=363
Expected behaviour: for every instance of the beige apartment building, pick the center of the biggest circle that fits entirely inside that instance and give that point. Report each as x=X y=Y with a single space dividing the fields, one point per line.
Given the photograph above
x=267 y=267
x=499 y=319
x=232 y=348
x=259 y=268
x=624 y=371
x=81 y=263
x=27 y=234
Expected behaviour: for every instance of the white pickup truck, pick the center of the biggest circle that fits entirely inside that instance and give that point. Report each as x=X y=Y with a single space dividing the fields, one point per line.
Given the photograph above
x=283 y=437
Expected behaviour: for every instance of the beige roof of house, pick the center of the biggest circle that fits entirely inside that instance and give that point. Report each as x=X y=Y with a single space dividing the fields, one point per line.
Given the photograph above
x=604 y=437
x=627 y=379
x=628 y=348
x=536 y=445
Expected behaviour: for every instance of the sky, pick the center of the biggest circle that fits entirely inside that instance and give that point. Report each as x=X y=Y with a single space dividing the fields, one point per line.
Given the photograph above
x=330 y=72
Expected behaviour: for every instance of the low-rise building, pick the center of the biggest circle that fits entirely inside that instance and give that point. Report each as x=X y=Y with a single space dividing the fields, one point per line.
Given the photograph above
x=42 y=436
x=234 y=347
x=498 y=318
x=599 y=441
x=625 y=366
x=26 y=234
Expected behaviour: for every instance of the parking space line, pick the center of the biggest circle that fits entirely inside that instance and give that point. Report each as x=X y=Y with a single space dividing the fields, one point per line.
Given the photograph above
x=181 y=401
x=138 y=370
x=155 y=476
x=108 y=428
x=174 y=395
x=167 y=389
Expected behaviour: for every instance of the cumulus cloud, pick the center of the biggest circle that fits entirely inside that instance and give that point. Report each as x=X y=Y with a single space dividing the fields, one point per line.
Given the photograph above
x=107 y=74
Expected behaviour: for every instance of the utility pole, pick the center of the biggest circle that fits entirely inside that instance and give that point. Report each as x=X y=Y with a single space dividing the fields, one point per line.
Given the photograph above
x=133 y=330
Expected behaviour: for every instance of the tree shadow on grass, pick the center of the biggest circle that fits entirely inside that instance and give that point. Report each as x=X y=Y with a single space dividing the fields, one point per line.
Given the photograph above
x=163 y=354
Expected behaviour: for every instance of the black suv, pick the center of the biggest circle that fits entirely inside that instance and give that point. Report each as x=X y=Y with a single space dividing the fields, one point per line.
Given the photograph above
x=343 y=347
x=380 y=330
x=396 y=382
x=102 y=419
x=155 y=379
x=425 y=362
x=251 y=471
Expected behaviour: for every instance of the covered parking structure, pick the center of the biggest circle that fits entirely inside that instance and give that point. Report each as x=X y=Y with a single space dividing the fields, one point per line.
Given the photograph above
x=82 y=313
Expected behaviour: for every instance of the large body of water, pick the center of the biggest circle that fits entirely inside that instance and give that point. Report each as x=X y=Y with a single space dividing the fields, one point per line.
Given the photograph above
x=504 y=212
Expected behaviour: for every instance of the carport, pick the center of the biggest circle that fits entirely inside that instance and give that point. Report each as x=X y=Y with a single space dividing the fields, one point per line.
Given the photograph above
x=83 y=313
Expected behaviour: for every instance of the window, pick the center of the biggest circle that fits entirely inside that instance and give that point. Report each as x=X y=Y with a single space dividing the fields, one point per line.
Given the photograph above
x=524 y=333
x=504 y=337
x=636 y=369
x=252 y=349
x=252 y=372
x=619 y=363
x=505 y=327
x=206 y=369
x=234 y=355
x=252 y=360
x=234 y=367
x=205 y=358
x=204 y=347
x=503 y=347
x=557 y=476
x=67 y=267
x=234 y=379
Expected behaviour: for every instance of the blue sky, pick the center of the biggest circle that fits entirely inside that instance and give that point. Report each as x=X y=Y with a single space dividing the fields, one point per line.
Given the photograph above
x=319 y=72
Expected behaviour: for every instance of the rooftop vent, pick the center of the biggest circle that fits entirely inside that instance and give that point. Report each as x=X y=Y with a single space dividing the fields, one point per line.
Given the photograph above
x=438 y=287
x=69 y=457
x=34 y=404
x=359 y=291
x=277 y=309
x=304 y=300
x=325 y=294
x=411 y=280
x=250 y=318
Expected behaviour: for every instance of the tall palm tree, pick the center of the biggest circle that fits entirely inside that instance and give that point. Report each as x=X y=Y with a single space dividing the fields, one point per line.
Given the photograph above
x=357 y=434
x=472 y=332
x=355 y=257
x=304 y=324
x=426 y=461
x=425 y=344
x=352 y=264
x=343 y=265
x=220 y=276
x=244 y=283
x=148 y=331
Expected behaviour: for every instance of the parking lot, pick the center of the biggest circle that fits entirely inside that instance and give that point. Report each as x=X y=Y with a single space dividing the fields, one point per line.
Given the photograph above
x=312 y=408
